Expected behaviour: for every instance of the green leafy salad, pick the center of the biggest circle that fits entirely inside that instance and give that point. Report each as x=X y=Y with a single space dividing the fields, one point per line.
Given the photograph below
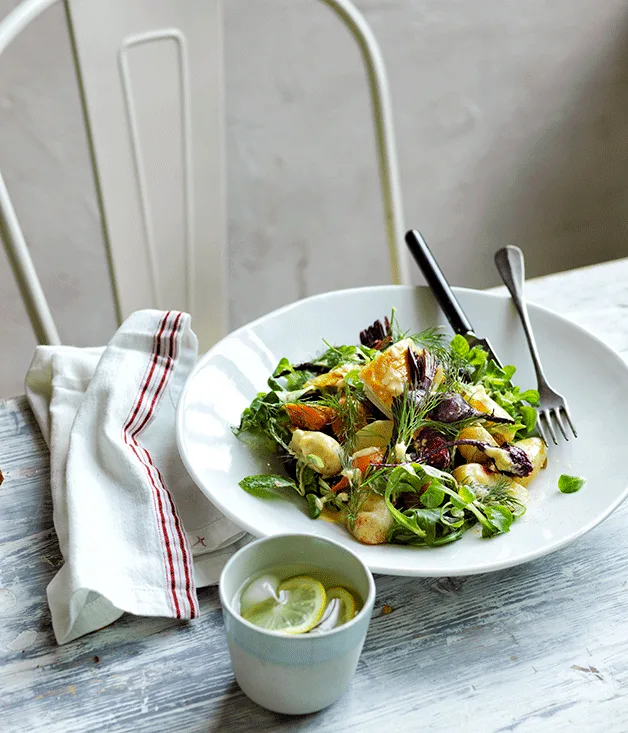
x=405 y=438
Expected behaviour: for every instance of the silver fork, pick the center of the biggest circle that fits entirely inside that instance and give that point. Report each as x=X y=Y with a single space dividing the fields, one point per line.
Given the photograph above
x=552 y=405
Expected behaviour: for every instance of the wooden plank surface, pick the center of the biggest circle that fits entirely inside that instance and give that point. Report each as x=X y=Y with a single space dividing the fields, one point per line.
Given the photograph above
x=542 y=647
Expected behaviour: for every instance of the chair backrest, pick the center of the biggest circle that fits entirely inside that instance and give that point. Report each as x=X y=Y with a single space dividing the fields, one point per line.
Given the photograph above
x=150 y=74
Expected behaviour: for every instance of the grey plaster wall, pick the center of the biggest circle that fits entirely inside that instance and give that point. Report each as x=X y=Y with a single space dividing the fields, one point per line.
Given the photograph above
x=511 y=120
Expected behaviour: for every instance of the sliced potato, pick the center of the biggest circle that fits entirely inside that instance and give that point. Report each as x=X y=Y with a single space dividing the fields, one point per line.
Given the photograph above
x=479 y=475
x=439 y=375
x=476 y=473
x=478 y=397
x=375 y=434
x=470 y=453
x=519 y=492
x=373 y=522
x=536 y=450
x=501 y=432
x=324 y=449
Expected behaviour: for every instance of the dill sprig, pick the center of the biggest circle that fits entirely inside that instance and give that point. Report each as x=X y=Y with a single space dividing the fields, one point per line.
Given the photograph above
x=431 y=339
x=410 y=410
x=336 y=355
x=397 y=333
x=346 y=404
x=452 y=364
x=357 y=496
x=449 y=429
x=501 y=494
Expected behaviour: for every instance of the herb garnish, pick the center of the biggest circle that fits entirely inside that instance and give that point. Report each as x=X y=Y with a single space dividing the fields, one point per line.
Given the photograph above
x=570 y=484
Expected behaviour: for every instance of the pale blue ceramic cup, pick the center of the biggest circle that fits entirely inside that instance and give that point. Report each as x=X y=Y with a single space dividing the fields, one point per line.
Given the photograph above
x=302 y=673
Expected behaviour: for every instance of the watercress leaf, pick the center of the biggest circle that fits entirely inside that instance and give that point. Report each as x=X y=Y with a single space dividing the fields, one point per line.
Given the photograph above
x=249 y=415
x=528 y=417
x=404 y=478
x=294 y=379
x=433 y=496
x=465 y=494
x=530 y=395
x=337 y=355
x=267 y=486
x=315 y=505
x=408 y=523
x=281 y=369
x=308 y=479
x=570 y=484
x=452 y=536
x=269 y=398
x=426 y=472
x=458 y=503
x=315 y=461
x=427 y=520
x=508 y=372
x=478 y=357
x=496 y=379
x=283 y=366
x=488 y=531
x=353 y=379
x=264 y=419
x=459 y=345
x=500 y=517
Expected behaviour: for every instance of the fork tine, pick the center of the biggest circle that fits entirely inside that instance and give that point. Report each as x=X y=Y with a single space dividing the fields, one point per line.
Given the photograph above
x=566 y=411
x=539 y=427
x=550 y=427
x=559 y=422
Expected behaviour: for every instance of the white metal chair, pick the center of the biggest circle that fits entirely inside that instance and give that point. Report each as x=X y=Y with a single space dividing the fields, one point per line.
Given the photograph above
x=158 y=153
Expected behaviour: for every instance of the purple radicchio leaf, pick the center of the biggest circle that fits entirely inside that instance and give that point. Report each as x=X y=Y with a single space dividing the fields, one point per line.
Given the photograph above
x=377 y=336
x=421 y=369
x=454 y=408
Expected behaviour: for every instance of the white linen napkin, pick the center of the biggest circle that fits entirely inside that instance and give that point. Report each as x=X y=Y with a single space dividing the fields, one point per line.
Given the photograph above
x=135 y=532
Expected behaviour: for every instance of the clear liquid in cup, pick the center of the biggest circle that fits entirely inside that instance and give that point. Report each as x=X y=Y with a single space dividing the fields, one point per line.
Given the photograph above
x=297 y=598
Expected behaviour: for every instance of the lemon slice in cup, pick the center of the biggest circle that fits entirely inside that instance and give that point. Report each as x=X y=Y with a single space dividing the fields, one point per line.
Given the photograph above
x=346 y=602
x=261 y=589
x=301 y=603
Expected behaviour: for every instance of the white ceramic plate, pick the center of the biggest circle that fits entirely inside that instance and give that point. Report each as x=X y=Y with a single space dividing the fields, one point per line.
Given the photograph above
x=588 y=373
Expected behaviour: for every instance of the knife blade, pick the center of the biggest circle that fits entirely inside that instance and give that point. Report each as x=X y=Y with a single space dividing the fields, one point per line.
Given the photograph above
x=443 y=293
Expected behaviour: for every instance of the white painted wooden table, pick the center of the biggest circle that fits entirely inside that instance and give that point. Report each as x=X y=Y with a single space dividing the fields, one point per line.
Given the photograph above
x=541 y=647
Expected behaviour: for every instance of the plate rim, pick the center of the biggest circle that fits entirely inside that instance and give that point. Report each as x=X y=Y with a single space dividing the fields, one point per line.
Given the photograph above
x=377 y=567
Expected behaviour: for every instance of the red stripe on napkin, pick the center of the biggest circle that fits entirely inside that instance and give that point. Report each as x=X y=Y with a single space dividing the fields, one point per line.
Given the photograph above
x=151 y=390
x=183 y=543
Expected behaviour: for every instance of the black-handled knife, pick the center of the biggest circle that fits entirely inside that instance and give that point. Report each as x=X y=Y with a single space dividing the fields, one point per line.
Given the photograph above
x=444 y=294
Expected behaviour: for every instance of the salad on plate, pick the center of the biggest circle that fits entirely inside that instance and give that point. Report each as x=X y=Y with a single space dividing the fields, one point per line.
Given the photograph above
x=403 y=438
